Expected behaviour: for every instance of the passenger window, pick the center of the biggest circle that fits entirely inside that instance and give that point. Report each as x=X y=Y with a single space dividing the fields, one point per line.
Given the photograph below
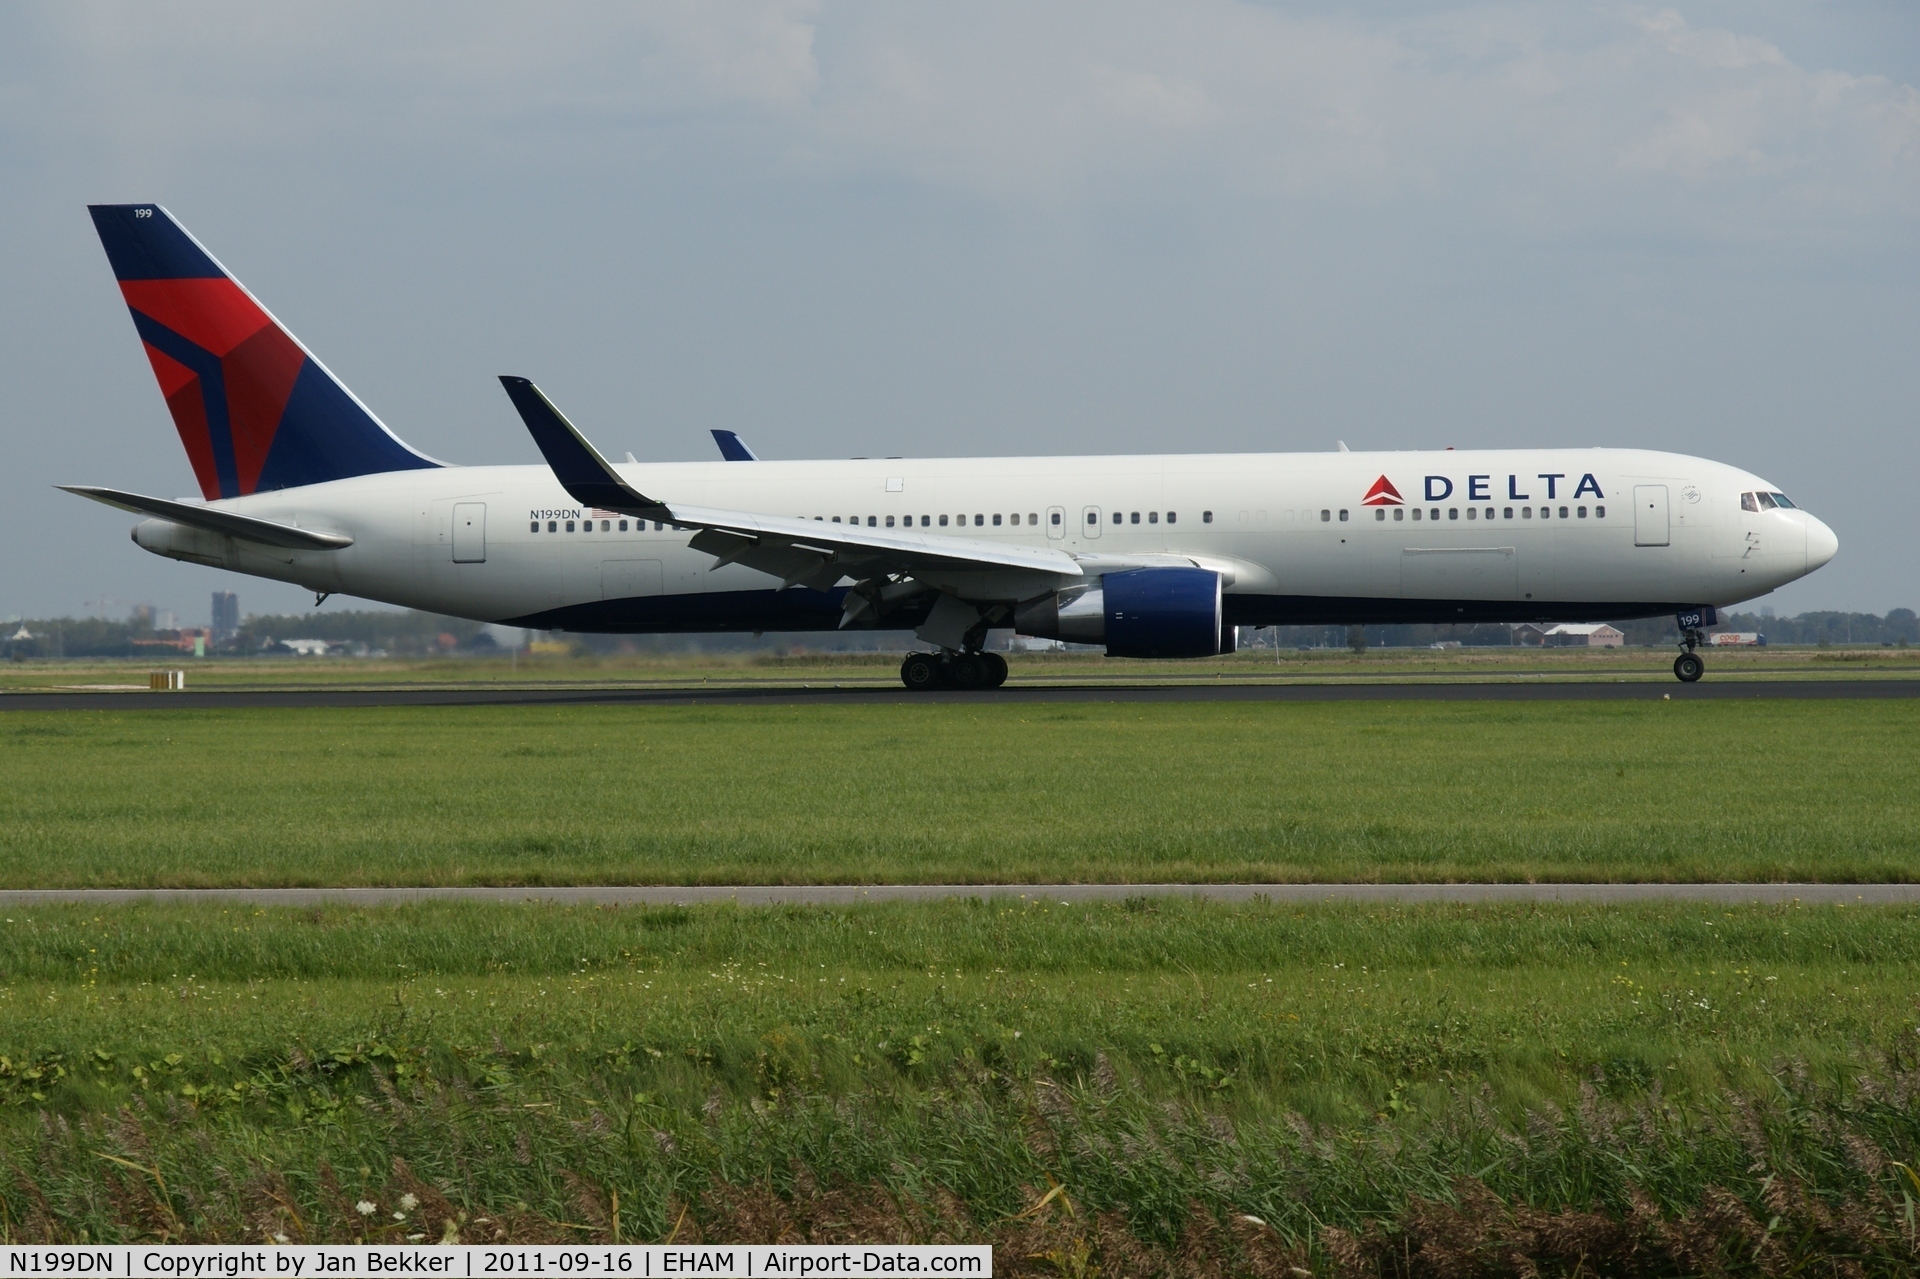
x=1526 y=512
x=586 y=526
x=1749 y=502
x=1117 y=517
x=534 y=527
x=996 y=520
x=1092 y=518
x=889 y=521
x=1206 y=517
x=873 y=521
x=1343 y=517
x=1399 y=512
x=1509 y=514
x=1153 y=517
x=1563 y=512
x=979 y=521
x=1136 y=517
x=1056 y=517
x=1470 y=512
x=1434 y=513
x=1380 y=514
x=1453 y=512
x=1171 y=517
x=943 y=521
x=569 y=526
x=1582 y=510
x=836 y=519
x=1033 y=518
x=606 y=526
x=1599 y=512
x=1416 y=512
x=926 y=521
x=658 y=527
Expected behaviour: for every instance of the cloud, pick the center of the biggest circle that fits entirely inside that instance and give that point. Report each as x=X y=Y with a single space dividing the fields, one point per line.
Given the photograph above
x=1536 y=115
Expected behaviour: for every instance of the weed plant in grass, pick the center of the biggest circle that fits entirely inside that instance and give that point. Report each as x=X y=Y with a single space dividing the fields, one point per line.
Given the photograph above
x=998 y=792
x=1648 y=1090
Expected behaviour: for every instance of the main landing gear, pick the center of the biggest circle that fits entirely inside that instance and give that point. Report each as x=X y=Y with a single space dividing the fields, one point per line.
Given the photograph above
x=924 y=672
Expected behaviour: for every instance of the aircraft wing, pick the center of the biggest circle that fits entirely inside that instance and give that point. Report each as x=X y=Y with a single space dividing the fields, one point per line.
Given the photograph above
x=215 y=520
x=800 y=552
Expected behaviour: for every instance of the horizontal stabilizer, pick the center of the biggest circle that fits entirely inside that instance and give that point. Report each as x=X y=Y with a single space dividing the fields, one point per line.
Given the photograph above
x=214 y=520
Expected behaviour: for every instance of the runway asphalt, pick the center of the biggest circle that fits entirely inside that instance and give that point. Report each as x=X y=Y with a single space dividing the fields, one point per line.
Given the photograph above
x=788 y=695
x=1065 y=894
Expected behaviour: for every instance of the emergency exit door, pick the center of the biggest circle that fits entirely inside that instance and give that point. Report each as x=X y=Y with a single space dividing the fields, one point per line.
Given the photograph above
x=469 y=532
x=1650 y=526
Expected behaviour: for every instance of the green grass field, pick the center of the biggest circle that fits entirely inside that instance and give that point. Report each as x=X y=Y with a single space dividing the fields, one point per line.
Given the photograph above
x=535 y=1072
x=1259 y=1089
x=1413 y=791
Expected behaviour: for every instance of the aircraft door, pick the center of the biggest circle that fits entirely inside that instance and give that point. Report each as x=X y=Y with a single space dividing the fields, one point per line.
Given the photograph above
x=469 y=532
x=1090 y=522
x=1650 y=525
x=1056 y=522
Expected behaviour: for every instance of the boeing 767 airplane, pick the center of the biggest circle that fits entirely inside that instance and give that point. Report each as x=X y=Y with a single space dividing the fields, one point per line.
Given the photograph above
x=1158 y=555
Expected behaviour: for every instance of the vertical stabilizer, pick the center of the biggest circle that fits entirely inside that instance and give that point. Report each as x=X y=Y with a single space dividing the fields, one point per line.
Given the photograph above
x=254 y=408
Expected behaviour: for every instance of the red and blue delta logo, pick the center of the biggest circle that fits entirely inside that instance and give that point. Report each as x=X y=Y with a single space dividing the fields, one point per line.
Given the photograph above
x=1383 y=493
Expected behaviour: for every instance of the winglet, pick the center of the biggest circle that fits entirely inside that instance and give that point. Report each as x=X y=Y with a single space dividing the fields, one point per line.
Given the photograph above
x=589 y=478
x=733 y=448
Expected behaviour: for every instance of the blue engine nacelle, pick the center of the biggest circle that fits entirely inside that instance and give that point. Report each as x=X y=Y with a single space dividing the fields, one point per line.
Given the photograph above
x=1144 y=612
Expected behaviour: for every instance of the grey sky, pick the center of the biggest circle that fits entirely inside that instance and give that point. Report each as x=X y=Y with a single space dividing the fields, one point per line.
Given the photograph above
x=865 y=229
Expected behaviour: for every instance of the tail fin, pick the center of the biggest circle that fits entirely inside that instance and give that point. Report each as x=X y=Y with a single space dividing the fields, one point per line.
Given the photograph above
x=253 y=406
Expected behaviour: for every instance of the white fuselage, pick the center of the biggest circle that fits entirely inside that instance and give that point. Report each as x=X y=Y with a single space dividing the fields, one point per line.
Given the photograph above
x=1485 y=535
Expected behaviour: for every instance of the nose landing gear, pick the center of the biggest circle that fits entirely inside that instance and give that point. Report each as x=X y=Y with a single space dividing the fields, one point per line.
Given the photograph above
x=924 y=672
x=1688 y=667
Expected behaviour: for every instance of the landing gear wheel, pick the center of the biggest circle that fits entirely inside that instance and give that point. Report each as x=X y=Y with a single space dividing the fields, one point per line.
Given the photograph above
x=966 y=671
x=921 y=672
x=996 y=669
x=1688 y=667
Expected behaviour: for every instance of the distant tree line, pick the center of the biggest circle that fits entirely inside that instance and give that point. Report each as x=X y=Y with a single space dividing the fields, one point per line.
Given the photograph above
x=1900 y=627
x=412 y=633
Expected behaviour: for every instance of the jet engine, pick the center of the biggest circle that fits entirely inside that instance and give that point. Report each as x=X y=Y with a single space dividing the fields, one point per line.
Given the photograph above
x=1144 y=612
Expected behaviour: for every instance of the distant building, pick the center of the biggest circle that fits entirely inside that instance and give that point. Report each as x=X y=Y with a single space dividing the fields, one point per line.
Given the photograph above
x=1564 y=635
x=1731 y=638
x=226 y=616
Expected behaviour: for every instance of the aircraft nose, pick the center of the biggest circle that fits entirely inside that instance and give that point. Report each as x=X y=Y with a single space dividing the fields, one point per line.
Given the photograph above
x=1822 y=545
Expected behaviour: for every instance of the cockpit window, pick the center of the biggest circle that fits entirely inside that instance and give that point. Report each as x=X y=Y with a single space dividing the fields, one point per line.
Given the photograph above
x=1780 y=500
x=1749 y=502
x=1765 y=502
